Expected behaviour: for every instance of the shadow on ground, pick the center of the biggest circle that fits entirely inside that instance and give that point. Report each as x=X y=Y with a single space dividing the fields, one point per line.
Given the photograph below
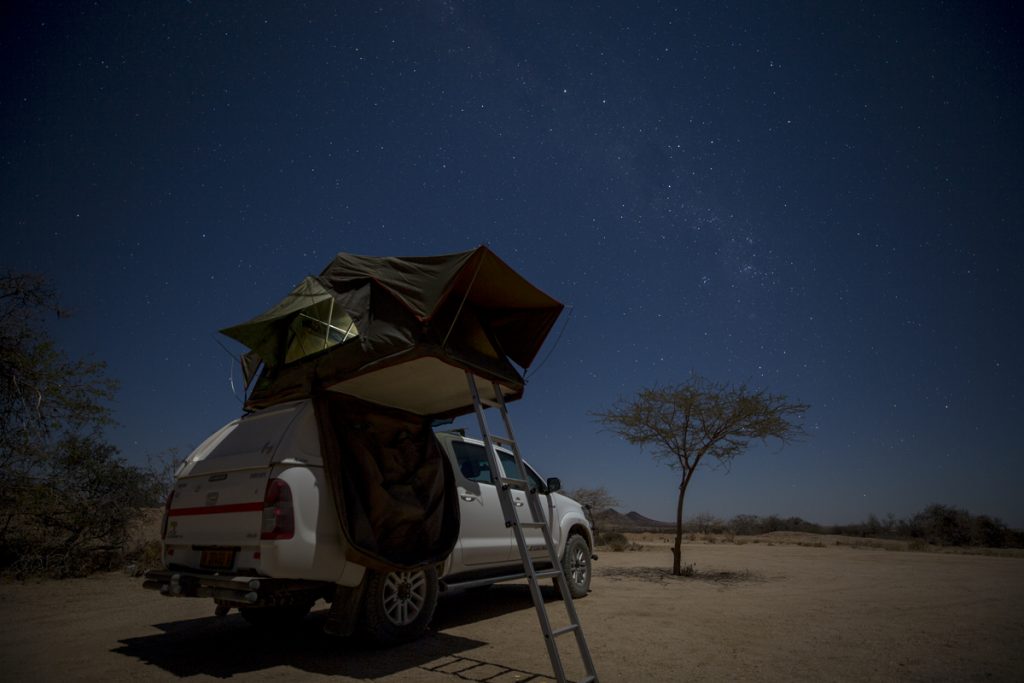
x=459 y=608
x=662 y=575
x=227 y=646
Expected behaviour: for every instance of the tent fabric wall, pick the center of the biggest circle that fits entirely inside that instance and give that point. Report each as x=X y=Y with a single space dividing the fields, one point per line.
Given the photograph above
x=392 y=484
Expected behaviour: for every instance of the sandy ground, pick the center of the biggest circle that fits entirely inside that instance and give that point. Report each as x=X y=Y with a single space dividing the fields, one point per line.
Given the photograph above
x=754 y=612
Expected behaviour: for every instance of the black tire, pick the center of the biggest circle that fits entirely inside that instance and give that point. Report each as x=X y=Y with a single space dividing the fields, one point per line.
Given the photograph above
x=398 y=606
x=576 y=566
x=276 y=617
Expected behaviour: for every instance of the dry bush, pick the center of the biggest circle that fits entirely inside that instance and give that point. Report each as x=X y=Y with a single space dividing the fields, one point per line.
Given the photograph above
x=615 y=540
x=77 y=516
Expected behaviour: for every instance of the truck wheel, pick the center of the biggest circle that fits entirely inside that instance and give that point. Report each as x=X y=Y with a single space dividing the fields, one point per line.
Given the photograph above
x=576 y=566
x=274 y=617
x=399 y=605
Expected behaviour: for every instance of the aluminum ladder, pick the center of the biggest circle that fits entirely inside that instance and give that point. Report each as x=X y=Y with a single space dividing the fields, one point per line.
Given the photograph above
x=536 y=520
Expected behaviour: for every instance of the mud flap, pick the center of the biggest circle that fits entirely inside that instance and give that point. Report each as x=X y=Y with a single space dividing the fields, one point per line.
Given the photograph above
x=344 y=613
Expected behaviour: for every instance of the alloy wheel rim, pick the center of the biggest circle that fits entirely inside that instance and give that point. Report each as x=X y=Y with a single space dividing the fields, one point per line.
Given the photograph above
x=405 y=594
x=578 y=567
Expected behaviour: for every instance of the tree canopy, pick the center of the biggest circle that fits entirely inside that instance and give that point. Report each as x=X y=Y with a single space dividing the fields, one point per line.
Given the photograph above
x=44 y=395
x=597 y=499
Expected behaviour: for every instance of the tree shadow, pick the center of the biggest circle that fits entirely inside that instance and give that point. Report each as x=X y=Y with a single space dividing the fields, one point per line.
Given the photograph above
x=223 y=647
x=663 y=575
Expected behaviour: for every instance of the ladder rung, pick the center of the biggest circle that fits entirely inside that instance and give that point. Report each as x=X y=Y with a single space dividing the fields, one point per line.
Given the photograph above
x=509 y=481
x=503 y=440
x=532 y=525
x=565 y=629
x=547 y=573
x=490 y=403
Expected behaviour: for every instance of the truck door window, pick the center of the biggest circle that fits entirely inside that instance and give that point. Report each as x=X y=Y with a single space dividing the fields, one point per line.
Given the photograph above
x=472 y=461
x=508 y=463
x=474 y=466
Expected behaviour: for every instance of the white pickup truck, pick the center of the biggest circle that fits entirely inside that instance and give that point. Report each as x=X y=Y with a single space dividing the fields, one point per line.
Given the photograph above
x=252 y=524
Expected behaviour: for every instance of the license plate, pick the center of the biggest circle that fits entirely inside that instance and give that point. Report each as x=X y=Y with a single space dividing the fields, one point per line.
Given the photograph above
x=217 y=559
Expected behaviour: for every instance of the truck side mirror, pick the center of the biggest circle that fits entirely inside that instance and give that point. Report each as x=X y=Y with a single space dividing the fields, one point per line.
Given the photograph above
x=554 y=484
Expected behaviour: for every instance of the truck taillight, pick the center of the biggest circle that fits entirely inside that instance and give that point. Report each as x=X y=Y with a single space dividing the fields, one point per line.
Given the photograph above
x=278 y=513
x=167 y=512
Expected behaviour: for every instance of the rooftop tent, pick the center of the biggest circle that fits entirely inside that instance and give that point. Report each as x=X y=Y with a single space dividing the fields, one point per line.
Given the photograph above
x=381 y=345
x=400 y=332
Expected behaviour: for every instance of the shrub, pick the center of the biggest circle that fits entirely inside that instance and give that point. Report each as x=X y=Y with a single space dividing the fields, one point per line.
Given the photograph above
x=77 y=517
x=614 y=540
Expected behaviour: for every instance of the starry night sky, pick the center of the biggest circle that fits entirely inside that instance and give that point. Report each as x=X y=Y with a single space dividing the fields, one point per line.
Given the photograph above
x=822 y=199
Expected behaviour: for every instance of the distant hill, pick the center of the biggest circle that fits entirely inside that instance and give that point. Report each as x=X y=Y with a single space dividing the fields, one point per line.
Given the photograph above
x=611 y=519
x=640 y=520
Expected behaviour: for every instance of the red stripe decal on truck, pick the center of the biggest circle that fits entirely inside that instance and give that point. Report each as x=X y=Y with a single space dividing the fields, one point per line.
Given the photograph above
x=217 y=509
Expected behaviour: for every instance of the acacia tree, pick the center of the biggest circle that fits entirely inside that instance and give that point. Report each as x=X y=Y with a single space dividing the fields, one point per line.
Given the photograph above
x=688 y=423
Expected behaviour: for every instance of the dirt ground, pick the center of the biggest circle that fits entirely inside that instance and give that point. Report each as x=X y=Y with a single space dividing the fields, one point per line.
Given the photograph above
x=753 y=612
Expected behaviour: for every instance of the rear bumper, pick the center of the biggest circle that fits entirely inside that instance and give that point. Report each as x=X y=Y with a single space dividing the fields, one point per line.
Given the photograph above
x=236 y=591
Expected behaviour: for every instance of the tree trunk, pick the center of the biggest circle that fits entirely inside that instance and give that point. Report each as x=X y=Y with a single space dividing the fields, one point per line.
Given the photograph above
x=677 y=549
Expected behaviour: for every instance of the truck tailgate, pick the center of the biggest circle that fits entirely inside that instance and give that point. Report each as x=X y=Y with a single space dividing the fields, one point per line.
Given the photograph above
x=221 y=509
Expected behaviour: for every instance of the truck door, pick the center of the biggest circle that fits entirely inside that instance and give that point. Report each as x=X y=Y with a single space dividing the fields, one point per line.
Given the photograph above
x=484 y=538
x=534 y=537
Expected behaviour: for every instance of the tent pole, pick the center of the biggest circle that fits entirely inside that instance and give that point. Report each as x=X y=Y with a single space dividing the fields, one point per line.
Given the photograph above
x=327 y=327
x=444 y=342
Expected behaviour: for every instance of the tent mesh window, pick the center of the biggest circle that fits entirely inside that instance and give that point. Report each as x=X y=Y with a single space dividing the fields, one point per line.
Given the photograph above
x=317 y=328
